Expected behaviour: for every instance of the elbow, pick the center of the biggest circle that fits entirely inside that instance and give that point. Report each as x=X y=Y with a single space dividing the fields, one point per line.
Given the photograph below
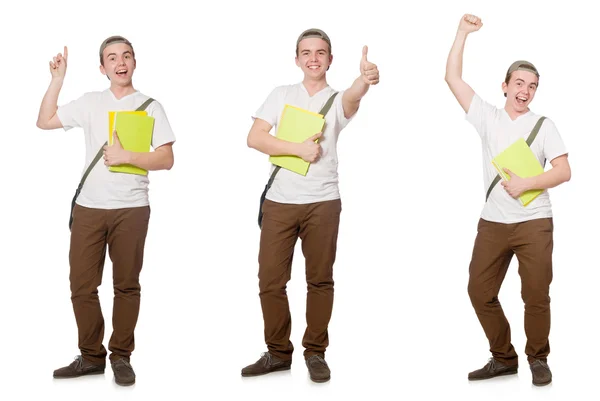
x=566 y=172
x=251 y=142
x=40 y=124
x=448 y=81
x=452 y=78
x=169 y=163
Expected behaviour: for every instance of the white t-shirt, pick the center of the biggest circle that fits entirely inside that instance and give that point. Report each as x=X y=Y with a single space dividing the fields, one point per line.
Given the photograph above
x=498 y=131
x=321 y=182
x=104 y=189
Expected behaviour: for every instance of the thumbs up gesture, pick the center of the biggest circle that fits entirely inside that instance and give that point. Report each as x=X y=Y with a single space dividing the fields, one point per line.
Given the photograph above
x=368 y=70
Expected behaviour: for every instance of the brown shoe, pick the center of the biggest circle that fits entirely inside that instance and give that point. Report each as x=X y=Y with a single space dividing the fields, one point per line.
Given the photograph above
x=79 y=367
x=124 y=374
x=318 y=369
x=540 y=371
x=266 y=364
x=493 y=368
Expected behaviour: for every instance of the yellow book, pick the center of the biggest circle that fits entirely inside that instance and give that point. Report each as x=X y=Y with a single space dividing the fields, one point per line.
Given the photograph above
x=135 y=133
x=296 y=125
x=111 y=120
x=519 y=159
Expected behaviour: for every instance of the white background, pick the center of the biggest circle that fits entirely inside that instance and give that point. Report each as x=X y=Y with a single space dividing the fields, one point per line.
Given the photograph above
x=410 y=177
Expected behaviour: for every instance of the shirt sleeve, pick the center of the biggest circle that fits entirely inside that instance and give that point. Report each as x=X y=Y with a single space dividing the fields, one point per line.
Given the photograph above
x=553 y=143
x=162 y=133
x=270 y=109
x=73 y=114
x=480 y=114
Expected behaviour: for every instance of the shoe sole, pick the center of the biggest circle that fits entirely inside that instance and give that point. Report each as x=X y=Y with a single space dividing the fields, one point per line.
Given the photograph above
x=125 y=384
x=81 y=375
x=266 y=373
x=542 y=384
x=491 y=377
x=321 y=380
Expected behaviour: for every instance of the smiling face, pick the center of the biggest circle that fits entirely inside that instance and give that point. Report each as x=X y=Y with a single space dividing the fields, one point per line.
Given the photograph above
x=118 y=63
x=313 y=57
x=520 y=90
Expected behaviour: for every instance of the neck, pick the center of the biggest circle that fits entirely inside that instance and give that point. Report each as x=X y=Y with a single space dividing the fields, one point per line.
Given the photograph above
x=514 y=114
x=122 y=91
x=314 y=85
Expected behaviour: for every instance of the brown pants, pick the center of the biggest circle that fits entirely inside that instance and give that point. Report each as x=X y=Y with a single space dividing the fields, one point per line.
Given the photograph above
x=494 y=247
x=124 y=231
x=316 y=224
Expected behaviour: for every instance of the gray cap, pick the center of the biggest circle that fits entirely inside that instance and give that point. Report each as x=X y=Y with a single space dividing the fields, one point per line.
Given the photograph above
x=111 y=41
x=522 y=65
x=313 y=33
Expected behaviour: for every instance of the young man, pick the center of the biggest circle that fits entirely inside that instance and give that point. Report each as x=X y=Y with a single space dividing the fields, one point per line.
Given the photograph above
x=112 y=208
x=506 y=227
x=306 y=207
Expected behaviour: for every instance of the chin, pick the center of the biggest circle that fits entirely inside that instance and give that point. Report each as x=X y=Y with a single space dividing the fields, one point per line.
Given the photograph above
x=520 y=107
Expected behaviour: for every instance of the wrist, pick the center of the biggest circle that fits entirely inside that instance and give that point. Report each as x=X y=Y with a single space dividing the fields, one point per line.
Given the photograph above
x=294 y=149
x=129 y=157
x=529 y=183
x=358 y=89
x=362 y=85
x=58 y=80
x=460 y=34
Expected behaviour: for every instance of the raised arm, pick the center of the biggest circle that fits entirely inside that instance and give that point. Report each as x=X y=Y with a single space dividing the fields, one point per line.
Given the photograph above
x=47 y=117
x=260 y=139
x=369 y=75
x=461 y=90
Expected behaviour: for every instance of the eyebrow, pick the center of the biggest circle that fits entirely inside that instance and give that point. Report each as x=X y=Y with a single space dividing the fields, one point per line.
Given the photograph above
x=532 y=83
x=114 y=54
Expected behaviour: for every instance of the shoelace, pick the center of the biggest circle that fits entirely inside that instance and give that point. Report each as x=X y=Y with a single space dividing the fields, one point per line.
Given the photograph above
x=266 y=358
x=78 y=361
x=491 y=364
x=122 y=362
x=317 y=358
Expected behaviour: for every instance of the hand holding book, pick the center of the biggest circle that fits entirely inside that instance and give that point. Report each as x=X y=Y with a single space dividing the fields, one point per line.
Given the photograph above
x=310 y=150
x=114 y=154
x=516 y=186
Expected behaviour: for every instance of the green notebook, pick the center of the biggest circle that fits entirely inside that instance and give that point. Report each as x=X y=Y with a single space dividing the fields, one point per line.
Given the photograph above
x=519 y=159
x=296 y=125
x=135 y=133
